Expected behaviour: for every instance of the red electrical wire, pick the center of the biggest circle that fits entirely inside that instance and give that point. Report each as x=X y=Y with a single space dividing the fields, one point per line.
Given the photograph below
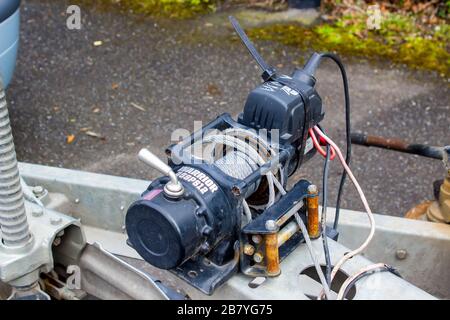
x=318 y=147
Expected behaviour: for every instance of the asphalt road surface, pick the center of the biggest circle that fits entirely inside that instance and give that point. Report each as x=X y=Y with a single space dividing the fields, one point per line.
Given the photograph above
x=151 y=76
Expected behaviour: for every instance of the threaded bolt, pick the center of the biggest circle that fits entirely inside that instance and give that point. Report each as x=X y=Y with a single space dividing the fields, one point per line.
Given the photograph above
x=13 y=218
x=249 y=249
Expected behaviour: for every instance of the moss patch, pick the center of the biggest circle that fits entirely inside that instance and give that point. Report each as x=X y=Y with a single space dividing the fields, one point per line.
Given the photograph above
x=161 y=8
x=399 y=40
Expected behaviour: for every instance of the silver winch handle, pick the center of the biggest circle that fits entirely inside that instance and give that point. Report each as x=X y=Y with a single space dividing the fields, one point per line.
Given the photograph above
x=173 y=188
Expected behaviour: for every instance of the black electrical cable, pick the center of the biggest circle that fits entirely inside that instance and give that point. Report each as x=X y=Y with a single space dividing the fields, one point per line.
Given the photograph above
x=310 y=69
x=338 y=61
x=368 y=273
x=324 y=216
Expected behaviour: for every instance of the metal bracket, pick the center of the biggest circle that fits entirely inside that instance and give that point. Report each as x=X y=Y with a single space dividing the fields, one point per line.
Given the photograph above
x=206 y=275
x=273 y=235
x=18 y=264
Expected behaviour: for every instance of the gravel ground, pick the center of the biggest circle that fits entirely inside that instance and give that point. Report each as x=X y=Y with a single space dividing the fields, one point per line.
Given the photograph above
x=185 y=71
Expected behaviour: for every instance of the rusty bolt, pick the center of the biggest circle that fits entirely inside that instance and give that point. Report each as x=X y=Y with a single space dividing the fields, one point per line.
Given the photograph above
x=249 y=250
x=57 y=241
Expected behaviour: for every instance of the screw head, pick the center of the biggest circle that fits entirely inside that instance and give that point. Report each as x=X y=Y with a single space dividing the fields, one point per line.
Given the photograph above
x=271 y=225
x=401 y=254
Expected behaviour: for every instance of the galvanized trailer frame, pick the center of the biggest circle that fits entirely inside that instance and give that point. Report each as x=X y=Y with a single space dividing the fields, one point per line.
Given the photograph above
x=419 y=249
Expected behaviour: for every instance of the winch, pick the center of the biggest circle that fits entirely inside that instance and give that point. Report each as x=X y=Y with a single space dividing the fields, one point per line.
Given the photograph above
x=222 y=204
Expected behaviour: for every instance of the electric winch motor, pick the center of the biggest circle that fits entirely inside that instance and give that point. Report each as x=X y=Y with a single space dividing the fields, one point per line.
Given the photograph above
x=221 y=211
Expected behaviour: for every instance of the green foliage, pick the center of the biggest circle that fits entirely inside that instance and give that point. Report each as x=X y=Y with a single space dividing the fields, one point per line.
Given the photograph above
x=172 y=8
x=164 y=8
x=399 y=39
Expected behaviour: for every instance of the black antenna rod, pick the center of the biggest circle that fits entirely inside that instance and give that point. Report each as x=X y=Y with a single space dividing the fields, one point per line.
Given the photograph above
x=268 y=71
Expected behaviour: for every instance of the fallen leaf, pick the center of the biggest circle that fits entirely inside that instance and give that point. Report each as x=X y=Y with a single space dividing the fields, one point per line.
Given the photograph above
x=70 y=138
x=95 y=135
x=98 y=43
x=137 y=106
x=114 y=86
x=213 y=90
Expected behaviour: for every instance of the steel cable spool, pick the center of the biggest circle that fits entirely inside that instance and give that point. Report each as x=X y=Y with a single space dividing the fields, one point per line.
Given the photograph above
x=245 y=158
x=236 y=164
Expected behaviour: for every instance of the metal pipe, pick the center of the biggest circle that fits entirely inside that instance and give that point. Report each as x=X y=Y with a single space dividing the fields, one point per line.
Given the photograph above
x=105 y=276
x=272 y=254
x=13 y=219
x=313 y=212
x=287 y=232
x=397 y=145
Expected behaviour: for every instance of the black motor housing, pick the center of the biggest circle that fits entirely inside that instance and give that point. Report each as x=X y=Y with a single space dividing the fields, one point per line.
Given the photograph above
x=280 y=104
x=166 y=231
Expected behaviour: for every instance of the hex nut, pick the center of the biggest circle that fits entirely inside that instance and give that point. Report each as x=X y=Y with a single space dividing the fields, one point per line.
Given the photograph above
x=38 y=190
x=37 y=212
x=312 y=189
x=271 y=225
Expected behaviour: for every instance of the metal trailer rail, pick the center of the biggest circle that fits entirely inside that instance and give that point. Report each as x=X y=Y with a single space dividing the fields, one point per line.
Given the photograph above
x=419 y=249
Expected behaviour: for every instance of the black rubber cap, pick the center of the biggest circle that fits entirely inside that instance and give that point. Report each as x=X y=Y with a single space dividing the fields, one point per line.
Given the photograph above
x=154 y=236
x=7 y=8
